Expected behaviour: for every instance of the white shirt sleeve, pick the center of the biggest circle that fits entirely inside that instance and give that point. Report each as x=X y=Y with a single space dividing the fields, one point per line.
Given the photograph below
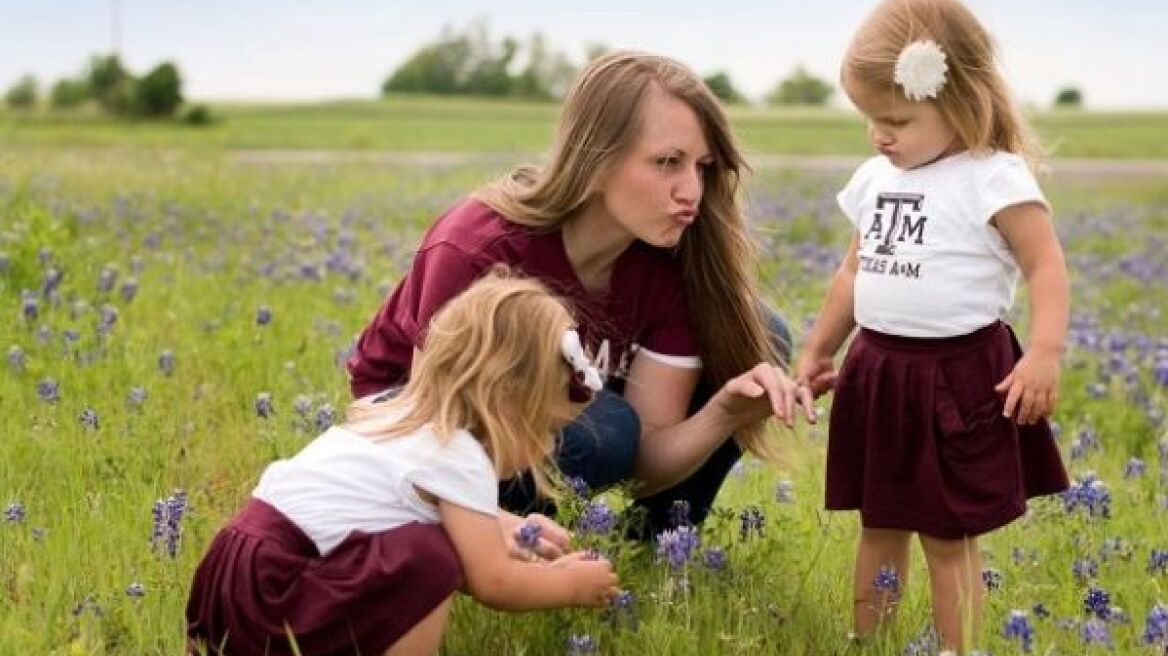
x=852 y=195
x=459 y=472
x=1010 y=183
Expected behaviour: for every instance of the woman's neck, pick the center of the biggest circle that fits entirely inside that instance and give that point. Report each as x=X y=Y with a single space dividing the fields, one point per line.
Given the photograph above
x=593 y=241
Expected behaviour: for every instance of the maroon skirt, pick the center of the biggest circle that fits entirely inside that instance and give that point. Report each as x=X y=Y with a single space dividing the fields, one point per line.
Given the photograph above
x=263 y=581
x=917 y=440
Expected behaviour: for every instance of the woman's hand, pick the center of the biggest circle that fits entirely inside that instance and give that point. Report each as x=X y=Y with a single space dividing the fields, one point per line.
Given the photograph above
x=761 y=392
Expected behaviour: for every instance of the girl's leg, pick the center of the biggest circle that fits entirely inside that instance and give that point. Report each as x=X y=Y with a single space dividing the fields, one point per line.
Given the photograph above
x=958 y=593
x=426 y=636
x=879 y=549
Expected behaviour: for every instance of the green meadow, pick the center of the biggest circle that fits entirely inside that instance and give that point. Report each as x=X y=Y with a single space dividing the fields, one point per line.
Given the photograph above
x=149 y=252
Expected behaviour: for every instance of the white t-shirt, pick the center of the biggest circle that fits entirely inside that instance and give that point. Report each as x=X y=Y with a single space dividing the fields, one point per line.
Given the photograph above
x=343 y=482
x=931 y=265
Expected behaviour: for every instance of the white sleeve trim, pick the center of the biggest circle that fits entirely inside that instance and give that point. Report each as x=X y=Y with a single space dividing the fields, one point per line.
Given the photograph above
x=679 y=361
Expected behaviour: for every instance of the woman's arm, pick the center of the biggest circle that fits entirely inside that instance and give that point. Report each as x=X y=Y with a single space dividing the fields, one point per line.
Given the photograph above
x=503 y=583
x=1032 y=387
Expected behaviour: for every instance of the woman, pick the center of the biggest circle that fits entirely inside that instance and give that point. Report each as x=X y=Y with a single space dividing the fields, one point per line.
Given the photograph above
x=635 y=220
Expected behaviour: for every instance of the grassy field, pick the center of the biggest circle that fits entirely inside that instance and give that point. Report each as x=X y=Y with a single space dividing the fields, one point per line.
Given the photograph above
x=476 y=125
x=151 y=339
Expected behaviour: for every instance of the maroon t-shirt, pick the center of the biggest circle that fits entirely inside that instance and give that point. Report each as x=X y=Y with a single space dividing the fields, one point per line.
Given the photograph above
x=645 y=307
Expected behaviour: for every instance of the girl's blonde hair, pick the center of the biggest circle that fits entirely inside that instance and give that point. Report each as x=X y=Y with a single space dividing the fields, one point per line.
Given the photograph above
x=601 y=119
x=491 y=364
x=975 y=100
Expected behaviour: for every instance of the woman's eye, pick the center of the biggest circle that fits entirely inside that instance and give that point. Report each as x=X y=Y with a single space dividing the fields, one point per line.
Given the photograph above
x=668 y=161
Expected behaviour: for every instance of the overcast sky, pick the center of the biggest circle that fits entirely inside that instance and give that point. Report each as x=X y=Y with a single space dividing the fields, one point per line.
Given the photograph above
x=1116 y=52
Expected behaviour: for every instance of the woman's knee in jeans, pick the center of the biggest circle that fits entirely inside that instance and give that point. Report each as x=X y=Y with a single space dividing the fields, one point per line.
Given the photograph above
x=601 y=445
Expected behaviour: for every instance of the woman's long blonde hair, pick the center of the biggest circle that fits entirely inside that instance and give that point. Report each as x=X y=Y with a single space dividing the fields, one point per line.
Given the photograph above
x=600 y=121
x=491 y=364
x=975 y=100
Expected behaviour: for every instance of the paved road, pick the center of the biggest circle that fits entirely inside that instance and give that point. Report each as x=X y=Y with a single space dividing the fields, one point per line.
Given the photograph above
x=1060 y=168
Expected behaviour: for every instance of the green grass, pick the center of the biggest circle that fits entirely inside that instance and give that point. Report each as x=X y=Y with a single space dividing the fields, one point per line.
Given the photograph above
x=211 y=240
x=484 y=125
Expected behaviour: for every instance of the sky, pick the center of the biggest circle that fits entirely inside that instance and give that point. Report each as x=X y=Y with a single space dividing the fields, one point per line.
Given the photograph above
x=1115 y=52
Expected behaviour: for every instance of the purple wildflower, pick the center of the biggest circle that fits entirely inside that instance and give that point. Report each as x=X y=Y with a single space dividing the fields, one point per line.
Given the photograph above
x=714 y=559
x=303 y=405
x=1134 y=468
x=129 y=289
x=44 y=334
x=106 y=279
x=1040 y=610
x=581 y=645
x=30 y=308
x=263 y=405
x=108 y=317
x=136 y=397
x=887 y=581
x=135 y=590
x=1158 y=562
x=528 y=536
x=1097 y=602
x=5 y=262
x=677 y=545
x=597 y=518
x=1160 y=372
x=166 y=362
x=44 y=255
x=263 y=316
x=48 y=390
x=925 y=644
x=52 y=282
x=326 y=416
x=622 y=610
x=1085 y=568
x=679 y=513
x=15 y=358
x=991 y=578
x=1156 y=626
x=751 y=520
x=578 y=485
x=1018 y=627
x=70 y=336
x=1095 y=632
x=168 y=515
x=14 y=513
x=89 y=419
x=1089 y=494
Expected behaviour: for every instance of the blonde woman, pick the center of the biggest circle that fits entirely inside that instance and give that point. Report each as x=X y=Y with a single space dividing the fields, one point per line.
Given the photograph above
x=634 y=219
x=357 y=543
x=938 y=426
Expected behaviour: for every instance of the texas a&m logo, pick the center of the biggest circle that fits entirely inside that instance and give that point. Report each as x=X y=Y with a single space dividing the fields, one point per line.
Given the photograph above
x=904 y=221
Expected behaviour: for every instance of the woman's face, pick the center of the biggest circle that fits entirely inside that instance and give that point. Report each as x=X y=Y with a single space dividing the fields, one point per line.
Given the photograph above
x=654 y=190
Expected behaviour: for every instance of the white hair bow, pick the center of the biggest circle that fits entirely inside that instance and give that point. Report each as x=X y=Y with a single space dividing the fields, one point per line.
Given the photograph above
x=920 y=70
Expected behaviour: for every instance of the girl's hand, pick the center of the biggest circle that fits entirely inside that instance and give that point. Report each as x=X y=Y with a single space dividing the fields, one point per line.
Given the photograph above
x=817 y=372
x=763 y=391
x=1031 y=389
x=594 y=582
x=554 y=539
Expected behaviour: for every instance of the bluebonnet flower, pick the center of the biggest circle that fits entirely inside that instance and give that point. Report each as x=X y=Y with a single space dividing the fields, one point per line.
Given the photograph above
x=925 y=644
x=528 y=536
x=1095 y=632
x=106 y=279
x=597 y=518
x=44 y=255
x=887 y=581
x=1115 y=547
x=326 y=416
x=1040 y=610
x=1018 y=627
x=302 y=404
x=48 y=390
x=263 y=316
x=785 y=491
x=15 y=358
x=677 y=545
x=1160 y=372
x=89 y=419
x=14 y=513
x=70 y=336
x=1056 y=429
x=166 y=362
x=52 y=282
x=679 y=513
x=263 y=405
x=44 y=334
x=751 y=520
x=87 y=605
x=136 y=397
x=5 y=262
x=30 y=308
x=1085 y=568
x=1097 y=602
x=1158 y=562
x=1089 y=494
x=129 y=289
x=1156 y=626
x=581 y=645
x=168 y=515
x=1134 y=468
x=715 y=559
x=109 y=316
x=991 y=578
x=622 y=610
x=136 y=590
x=578 y=486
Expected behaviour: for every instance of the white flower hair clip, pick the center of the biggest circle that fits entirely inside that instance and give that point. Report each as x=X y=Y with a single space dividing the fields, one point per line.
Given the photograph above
x=585 y=377
x=920 y=70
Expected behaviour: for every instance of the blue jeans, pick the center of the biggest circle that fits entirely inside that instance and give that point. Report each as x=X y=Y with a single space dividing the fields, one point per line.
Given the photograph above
x=600 y=447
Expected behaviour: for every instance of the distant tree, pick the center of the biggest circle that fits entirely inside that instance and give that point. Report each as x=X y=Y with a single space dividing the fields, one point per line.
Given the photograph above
x=801 y=88
x=547 y=74
x=440 y=67
x=722 y=87
x=110 y=84
x=198 y=115
x=159 y=92
x=1069 y=98
x=23 y=94
x=68 y=93
x=595 y=50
